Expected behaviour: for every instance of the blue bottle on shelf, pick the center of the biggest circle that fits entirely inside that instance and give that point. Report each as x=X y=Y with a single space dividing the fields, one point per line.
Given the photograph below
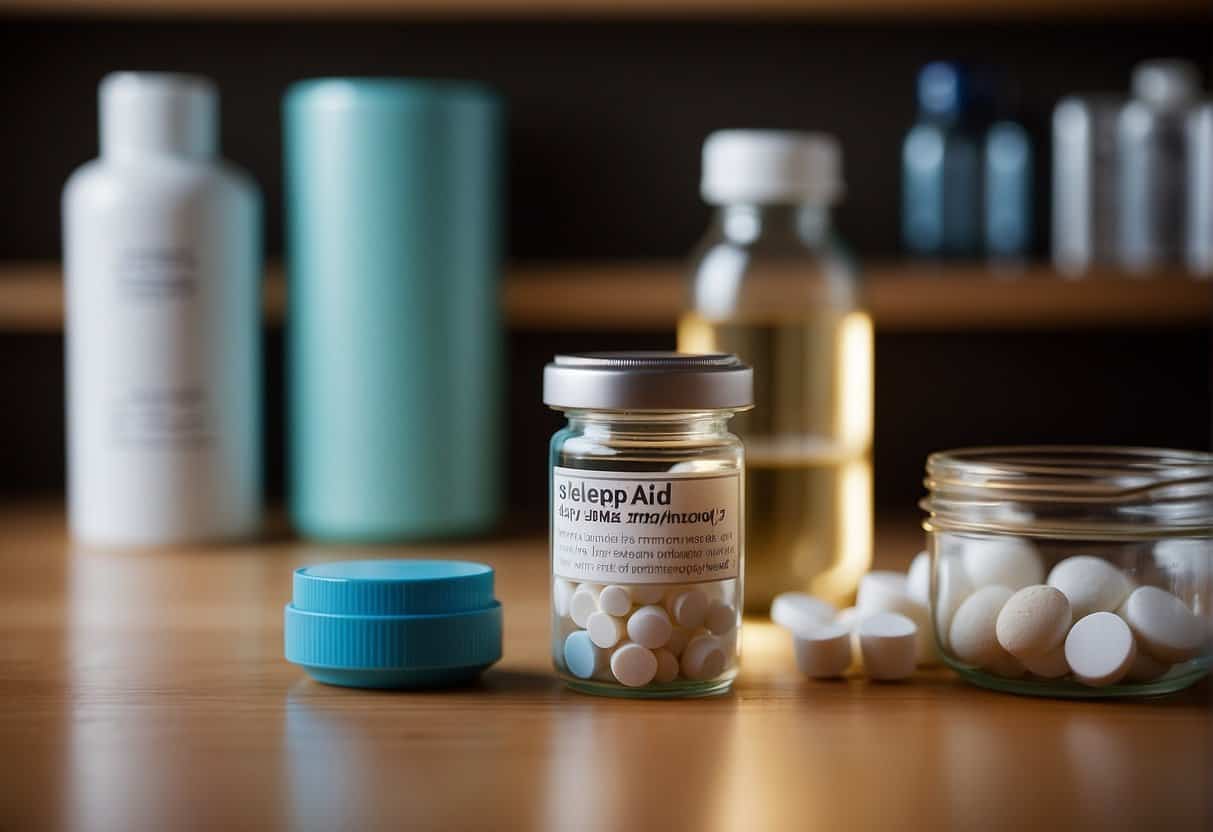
x=1007 y=219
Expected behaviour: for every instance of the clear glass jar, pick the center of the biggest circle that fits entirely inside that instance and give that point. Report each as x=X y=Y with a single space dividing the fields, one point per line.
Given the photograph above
x=1125 y=534
x=772 y=283
x=647 y=522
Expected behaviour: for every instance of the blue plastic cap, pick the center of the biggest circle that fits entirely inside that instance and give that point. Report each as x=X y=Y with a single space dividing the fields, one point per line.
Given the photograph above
x=393 y=623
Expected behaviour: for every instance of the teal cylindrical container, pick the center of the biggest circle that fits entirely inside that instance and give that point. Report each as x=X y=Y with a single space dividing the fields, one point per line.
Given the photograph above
x=393 y=220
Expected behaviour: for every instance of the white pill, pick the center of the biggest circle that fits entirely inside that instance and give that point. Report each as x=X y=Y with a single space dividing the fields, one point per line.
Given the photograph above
x=650 y=626
x=688 y=608
x=1099 y=649
x=826 y=654
x=801 y=613
x=1164 y=626
x=973 y=633
x=583 y=603
x=890 y=646
x=646 y=593
x=703 y=658
x=880 y=589
x=1033 y=621
x=614 y=600
x=633 y=665
x=1051 y=665
x=954 y=588
x=667 y=666
x=850 y=618
x=605 y=630
x=1091 y=584
x=679 y=636
x=582 y=657
x=1145 y=668
x=562 y=593
x=918 y=579
x=721 y=618
x=1002 y=561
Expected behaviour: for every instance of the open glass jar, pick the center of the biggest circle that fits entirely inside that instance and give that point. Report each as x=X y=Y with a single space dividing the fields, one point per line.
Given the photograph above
x=647 y=522
x=1125 y=535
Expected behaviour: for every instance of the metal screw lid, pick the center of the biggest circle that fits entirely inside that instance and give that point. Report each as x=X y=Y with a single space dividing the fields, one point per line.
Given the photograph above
x=648 y=381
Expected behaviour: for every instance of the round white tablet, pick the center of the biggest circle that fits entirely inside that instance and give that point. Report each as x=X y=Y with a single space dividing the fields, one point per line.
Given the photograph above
x=826 y=654
x=703 y=658
x=1051 y=665
x=614 y=600
x=688 y=608
x=1165 y=627
x=667 y=666
x=605 y=630
x=633 y=665
x=973 y=633
x=1002 y=561
x=562 y=593
x=1033 y=621
x=679 y=636
x=918 y=579
x=1099 y=649
x=890 y=646
x=721 y=618
x=650 y=626
x=1146 y=668
x=880 y=589
x=801 y=613
x=1091 y=584
x=954 y=588
x=647 y=593
x=583 y=602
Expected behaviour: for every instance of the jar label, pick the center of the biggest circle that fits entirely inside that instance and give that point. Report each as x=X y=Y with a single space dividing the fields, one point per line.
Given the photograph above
x=630 y=527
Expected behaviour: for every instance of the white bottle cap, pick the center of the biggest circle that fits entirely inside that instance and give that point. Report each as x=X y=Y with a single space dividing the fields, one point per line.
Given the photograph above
x=158 y=114
x=1166 y=84
x=770 y=166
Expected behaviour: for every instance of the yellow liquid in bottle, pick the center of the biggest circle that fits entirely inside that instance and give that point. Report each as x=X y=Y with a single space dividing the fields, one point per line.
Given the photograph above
x=808 y=449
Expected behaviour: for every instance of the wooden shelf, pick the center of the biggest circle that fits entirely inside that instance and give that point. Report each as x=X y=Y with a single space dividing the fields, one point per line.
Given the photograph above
x=620 y=9
x=572 y=297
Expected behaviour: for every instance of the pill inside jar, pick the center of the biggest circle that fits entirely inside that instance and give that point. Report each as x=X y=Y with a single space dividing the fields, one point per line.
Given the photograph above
x=647 y=519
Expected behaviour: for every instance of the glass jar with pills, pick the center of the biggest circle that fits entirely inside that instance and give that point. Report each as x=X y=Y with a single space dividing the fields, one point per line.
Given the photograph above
x=647 y=521
x=1072 y=571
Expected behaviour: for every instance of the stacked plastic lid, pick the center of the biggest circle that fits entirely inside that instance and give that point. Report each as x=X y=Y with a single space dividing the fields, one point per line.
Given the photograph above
x=394 y=624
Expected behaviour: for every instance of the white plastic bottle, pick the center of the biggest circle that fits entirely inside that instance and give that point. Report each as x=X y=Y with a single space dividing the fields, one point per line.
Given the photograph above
x=162 y=260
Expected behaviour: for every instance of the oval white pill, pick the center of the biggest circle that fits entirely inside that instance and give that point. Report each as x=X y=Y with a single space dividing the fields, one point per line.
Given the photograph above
x=703 y=658
x=582 y=658
x=1145 y=668
x=1100 y=649
x=1091 y=584
x=890 y=646
x=826 y=654
x=633 y=665
x=973 y=633
x=918 y=579
x=1033 y=621
x=562 y=593
x=667 y=666
x=801 y=613
x=1051 y=665
x=583 y=602
x=954 y=588
x=689 y=608
x=679 y=636
x=1164 y=626
x=614 y=600
x=721 y=618
x=650 y=626
x=605 y=630
x=1002 y=561
x=646 y=593
x=879 y=589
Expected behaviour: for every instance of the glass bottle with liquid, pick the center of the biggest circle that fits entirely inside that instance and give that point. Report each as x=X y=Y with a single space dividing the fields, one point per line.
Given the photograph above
x=773 y=284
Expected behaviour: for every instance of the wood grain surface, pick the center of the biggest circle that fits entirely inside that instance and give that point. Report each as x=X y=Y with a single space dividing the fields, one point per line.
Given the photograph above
x=147 y=690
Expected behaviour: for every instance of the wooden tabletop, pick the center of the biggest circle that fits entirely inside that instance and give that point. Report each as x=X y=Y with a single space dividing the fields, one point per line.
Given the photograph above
x=147 y=690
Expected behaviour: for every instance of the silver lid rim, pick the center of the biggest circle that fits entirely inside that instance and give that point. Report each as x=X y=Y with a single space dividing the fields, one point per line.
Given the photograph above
x=648 y=381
